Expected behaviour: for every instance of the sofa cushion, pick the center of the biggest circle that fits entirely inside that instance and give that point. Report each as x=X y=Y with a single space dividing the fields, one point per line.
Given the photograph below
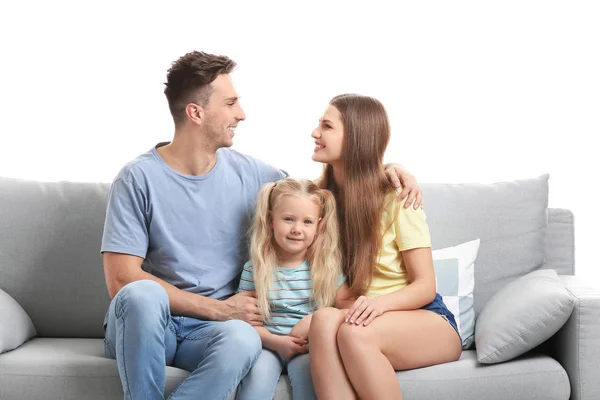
x=50 y=259
x=15 y=325
x=521 y=316
x=50 y=368
x=508 y=217
x=454 y=272
x=47 y=368
x=531 y=377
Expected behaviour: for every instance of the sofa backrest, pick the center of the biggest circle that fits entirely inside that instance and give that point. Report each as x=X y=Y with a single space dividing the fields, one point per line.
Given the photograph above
x=50 y=236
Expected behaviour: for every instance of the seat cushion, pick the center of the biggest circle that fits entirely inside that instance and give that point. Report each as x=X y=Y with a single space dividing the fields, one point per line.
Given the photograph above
x=48 y=368
x=531 y=377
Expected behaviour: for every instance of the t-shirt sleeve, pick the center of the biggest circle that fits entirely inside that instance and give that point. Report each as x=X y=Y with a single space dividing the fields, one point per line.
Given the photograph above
x=125 y=226
x=268 y=173
x=410 y=225
x=341 y=280
x=247 y=279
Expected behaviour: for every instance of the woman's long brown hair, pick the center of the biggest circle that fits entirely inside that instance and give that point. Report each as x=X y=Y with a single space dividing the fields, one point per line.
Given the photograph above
x=361 y=196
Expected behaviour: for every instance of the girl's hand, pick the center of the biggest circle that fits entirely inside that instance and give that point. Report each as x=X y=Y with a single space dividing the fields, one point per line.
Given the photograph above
x=289 y=347
x=364 y=309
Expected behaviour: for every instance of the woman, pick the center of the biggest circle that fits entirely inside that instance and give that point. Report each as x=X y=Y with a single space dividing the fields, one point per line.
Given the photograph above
x=392 y=317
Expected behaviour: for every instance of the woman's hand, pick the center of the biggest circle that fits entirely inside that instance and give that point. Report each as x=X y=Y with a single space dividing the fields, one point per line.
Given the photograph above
x=397 y=175
x=289 y=347
x=364 y=309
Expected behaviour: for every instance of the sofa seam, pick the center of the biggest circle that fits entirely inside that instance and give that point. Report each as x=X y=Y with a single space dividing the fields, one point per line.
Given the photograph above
x=419 y=380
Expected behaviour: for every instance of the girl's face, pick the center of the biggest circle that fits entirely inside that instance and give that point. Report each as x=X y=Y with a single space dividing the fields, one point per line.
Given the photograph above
x=329 y=137
x=294 y=221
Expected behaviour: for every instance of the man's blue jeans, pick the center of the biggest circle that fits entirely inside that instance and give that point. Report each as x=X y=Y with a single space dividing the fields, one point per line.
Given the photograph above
x=143 y=337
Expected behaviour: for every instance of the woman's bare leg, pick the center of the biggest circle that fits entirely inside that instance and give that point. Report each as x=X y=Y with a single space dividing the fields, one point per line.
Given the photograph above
x=396 y=340
x=329 y=377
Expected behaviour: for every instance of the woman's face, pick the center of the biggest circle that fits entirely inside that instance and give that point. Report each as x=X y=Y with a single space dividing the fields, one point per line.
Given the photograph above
x=329 y=137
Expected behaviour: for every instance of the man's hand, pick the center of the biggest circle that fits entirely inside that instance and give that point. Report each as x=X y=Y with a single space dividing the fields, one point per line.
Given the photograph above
x=397 y=176
x=244 y=306
x=289 y=347
x=300 y=330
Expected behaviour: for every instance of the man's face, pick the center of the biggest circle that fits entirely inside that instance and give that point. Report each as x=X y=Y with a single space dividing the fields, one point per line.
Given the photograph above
x=223 y=112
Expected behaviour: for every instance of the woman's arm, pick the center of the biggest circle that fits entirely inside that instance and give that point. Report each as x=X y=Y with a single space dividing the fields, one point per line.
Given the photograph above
x=343 y=297
x=421 y=289
x=419 y=292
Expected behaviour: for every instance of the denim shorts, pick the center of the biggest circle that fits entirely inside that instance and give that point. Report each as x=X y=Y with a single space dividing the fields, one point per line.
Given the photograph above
x=438 y=307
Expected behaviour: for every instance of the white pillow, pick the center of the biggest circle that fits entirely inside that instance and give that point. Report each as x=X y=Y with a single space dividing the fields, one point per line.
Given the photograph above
x=15 y=325
x=455 y=280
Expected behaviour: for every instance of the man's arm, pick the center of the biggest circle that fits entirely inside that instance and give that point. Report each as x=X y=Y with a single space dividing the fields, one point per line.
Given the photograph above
x=398 y=175
x=121 y=269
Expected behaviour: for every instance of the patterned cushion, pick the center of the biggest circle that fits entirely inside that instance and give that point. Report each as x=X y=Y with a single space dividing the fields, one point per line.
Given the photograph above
x=455 y=279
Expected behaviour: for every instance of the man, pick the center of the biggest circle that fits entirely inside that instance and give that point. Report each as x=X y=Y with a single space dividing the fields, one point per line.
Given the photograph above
x=181 y=211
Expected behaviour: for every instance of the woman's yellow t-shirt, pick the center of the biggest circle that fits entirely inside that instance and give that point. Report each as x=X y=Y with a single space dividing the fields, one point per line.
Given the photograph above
x=403 y=229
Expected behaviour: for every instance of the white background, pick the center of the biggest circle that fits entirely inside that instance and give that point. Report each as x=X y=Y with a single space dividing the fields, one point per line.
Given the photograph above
x=477 y=91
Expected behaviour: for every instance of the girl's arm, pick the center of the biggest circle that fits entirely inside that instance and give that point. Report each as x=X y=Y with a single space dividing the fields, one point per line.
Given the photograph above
x=300 y=330
x=269 y=340
x=286 y=346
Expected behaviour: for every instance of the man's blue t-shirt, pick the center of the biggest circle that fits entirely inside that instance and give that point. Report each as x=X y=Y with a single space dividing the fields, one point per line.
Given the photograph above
x=191 y=230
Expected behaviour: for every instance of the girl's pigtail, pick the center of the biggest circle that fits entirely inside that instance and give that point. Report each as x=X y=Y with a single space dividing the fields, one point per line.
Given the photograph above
x=262 y=252
x=325 y=256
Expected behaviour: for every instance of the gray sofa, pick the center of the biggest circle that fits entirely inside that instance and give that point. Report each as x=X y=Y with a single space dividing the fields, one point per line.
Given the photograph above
x=50 y=264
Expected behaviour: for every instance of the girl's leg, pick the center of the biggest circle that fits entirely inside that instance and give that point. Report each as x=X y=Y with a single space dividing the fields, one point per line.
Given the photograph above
x=299 y=373
x=396 y=340
x=328 y=374
x=261 y=381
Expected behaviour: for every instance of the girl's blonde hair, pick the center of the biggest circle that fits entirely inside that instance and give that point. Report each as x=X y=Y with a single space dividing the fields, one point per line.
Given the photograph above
x=323 y=255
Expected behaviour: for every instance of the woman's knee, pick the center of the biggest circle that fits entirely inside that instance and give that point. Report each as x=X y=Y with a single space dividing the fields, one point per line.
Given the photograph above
x=353 y=336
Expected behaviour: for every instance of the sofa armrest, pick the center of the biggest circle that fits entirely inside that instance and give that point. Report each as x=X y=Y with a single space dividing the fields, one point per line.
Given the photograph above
x=577 y=343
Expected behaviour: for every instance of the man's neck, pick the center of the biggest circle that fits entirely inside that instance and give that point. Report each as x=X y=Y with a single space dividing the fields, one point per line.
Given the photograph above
x=188 y=155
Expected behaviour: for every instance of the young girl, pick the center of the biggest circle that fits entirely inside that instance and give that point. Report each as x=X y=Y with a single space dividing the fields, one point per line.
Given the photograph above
x=395 y=319
x=294 y=269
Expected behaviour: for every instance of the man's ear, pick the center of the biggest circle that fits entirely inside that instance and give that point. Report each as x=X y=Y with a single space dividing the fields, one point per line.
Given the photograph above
x=194 y=113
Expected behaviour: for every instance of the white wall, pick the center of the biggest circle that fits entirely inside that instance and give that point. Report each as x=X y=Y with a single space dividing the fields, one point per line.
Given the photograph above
x=476 y=91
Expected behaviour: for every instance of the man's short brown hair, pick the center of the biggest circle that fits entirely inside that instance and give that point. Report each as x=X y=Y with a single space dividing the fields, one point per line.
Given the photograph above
x=189 y=79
